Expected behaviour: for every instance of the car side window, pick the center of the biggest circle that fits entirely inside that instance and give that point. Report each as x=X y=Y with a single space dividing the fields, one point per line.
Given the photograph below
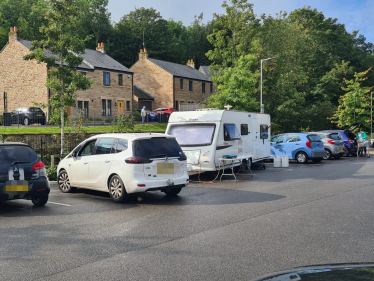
x=104 y=146
x=321 y=136
x=292 y=138
x=122 y=145
x=87 y=149
x=277 y=139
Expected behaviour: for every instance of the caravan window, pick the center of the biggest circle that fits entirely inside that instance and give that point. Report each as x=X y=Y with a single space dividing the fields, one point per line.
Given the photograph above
x=230 y=132
x=244 y=129
x=264 y=134
x=193 y=135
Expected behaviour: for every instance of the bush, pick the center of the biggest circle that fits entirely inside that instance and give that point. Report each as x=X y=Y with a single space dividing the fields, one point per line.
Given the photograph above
x=123 y=123
x=137 y=116
x=52 y=173
x=1 y=118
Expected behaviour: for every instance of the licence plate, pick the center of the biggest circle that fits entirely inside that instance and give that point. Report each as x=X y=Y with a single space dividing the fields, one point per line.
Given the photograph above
x=165 y=168
x=39 y=115
x=341 y=150
x=16 y=186
x=355 y=146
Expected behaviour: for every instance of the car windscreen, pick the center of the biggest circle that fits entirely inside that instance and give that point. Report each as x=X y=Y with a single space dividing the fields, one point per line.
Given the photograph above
x=158 y=147
x=35 y=109
x=193 y=135
x=313 y=138
x=12 y=153
x=335 y=136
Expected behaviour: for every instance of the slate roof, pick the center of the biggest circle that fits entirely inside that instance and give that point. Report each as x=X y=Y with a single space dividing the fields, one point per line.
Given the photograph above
x=141 y=94
x=205 y=69
x=91 y=59
x=180 y=70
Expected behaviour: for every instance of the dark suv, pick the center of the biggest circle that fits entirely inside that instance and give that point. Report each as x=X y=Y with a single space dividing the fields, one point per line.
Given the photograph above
x=28 y=115
x=22 y=174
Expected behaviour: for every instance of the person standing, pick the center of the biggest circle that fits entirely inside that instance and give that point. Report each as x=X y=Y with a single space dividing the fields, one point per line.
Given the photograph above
x=362 y=138
x=144 y=114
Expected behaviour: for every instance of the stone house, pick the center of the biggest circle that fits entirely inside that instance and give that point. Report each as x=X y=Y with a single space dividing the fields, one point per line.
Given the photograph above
x=170 y=84
x=23 y=82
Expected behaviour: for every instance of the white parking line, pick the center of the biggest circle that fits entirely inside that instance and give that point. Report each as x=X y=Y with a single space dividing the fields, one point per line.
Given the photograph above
x=49 y=202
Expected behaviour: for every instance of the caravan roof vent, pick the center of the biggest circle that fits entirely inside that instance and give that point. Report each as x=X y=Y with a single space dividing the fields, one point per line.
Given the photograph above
x=228 y=107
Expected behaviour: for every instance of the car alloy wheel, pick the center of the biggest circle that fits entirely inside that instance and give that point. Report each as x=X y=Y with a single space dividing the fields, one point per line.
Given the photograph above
x=346 y=152
x=64 y=182
x=328 y=154
x=301 y=157
x=117 y=189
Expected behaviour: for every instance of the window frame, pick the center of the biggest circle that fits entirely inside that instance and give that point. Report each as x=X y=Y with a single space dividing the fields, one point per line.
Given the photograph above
x=98 y=142
x=109 y=107
x=120 y=79
x=79 y=154
x=202 y=124
x=106 y=78
x=80 y=108
x=86 y=108
x=211 y=87
x=244 y=131
x=203 y=87
x=128 y=106
x=225 y=129
x=281 y=135
x=261 y=131
x=293 y=135
x=190 y=85
x=103 y=107
x=181 y=84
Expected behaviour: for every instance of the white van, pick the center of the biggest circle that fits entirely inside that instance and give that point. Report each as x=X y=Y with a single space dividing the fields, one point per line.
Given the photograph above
x=207 y=135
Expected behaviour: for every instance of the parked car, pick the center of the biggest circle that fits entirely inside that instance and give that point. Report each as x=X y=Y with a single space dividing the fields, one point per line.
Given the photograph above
x=349 y=139
x=298 y=146
x=28 y=115
x=22 y=174
x=332 y=143
x=125 y=163
x=152 y=117
x=168 y=110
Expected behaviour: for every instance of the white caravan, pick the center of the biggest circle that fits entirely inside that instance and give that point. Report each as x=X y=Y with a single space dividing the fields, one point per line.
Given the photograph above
x=207 y=135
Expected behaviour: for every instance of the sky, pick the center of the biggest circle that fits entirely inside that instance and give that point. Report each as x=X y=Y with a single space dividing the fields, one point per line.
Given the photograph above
x=355 y=14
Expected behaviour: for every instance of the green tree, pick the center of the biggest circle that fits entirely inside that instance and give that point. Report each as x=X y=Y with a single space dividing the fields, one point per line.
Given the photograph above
x=354 y=106
x=238 y=85
x=63 y=42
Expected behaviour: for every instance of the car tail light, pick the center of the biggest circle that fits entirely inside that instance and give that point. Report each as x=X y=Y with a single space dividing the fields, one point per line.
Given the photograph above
x=331 y=142
x=38 y=166
x=141 y=185
x=350 y=141
x=137 y=160
x=309 y=144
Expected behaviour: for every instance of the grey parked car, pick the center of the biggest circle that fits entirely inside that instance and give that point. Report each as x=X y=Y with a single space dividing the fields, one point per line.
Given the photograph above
x=332 y=143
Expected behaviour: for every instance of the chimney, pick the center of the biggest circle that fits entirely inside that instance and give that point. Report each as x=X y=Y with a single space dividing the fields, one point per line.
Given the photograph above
x=100 y=47
x=13 y=34
x=143 y=54
x=191 y=63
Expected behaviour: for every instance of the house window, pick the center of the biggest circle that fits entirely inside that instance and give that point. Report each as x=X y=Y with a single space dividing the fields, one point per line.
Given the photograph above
x=211 y=87
x=84 y=73
x=120 y=79
x=203 y=87
x=86 y=112
x=80 y=106
x=109 y=107
x=176 y=105
x=127 y=105
x=106 y=78
x=190 y=86
x=103 y=107
x=181 y=84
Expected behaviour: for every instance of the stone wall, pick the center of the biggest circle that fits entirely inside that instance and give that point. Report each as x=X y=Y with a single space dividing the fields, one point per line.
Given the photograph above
x=23 y=81
x=154 y=80
x=185 y=96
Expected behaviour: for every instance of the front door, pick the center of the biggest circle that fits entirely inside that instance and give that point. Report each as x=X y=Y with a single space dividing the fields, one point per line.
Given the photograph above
x=121 y=107
x=68 y=111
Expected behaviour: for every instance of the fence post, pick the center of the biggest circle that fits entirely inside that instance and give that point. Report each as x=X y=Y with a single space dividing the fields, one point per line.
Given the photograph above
x=52 y=161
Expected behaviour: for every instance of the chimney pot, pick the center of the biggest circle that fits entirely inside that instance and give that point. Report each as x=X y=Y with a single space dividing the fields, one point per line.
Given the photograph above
x=98 y=44
x=16 y=28
x=11 y=29
x=102 y=44
x=145 y=50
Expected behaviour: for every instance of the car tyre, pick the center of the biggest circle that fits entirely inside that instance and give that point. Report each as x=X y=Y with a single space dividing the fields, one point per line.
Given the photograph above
x=328 y=154
x=117 y=189
x=337 y=156
x=173 y=192
x=346 y=152
x=316 y=160
x=26 y=121
x=39 y=200
x=301 y=157
x=63 y=182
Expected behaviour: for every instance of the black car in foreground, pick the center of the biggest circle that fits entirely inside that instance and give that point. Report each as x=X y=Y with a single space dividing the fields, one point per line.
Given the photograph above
x=22 y=174
x=28 y=115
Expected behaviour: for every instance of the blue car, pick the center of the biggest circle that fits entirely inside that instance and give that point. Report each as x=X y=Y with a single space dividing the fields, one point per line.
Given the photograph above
x=349 y=139
x=298 y=146
x=152 y=117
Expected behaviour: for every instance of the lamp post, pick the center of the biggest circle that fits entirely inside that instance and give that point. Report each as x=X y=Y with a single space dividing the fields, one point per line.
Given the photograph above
x=371 y=114
x=262 y=106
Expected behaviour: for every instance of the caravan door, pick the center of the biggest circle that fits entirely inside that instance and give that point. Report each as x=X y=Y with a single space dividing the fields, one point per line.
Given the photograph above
x=227 y=142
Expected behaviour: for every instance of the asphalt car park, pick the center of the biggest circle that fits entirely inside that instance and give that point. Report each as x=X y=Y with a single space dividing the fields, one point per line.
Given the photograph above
x=274 y=219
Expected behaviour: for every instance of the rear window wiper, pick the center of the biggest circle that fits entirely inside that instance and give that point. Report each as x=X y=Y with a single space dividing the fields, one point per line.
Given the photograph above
x=18 y=162
x=159 y=155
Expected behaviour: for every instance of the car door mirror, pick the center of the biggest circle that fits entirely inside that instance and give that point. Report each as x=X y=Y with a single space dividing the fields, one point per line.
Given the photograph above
x=75 y=153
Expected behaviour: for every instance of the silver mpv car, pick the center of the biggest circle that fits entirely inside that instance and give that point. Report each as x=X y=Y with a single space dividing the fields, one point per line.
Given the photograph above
x=332 y=143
